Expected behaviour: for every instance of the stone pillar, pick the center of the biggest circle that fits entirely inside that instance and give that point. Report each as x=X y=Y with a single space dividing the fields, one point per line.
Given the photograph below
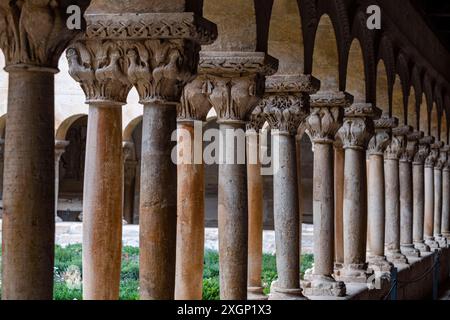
x=438 y=196
x=255 y=206
x=2 y=163
x=419 y=194
x=392 y=194
x=376 y=195
x=325 y=119
x=339 y=165
x=98 y=67
x=32 y=47
x=60 y=148
x=235 y=90
x=409 y=149
x=446 y=199
x=355 y=134
x=190 y=241
x=285 y=107
x=429 y=197
x=129 y=175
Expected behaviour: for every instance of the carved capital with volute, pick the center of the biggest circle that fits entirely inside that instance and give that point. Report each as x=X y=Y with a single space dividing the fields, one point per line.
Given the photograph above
x=382 y=137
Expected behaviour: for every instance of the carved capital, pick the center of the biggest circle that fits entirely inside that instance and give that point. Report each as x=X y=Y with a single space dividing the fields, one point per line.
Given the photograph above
x=423 y=150
x=433 y=155
x=159 y=69
x=256 y=119
x=34 y=33
x=195 y=103
x=292 y=83
x=381 y=139
x=442 y=157
x=285 y=112
x=236 y=63
x=358 y=127
x=174 y=25
x=407 y=146
x=323 y=123
x=234 y=98
x=394 y=149
x=100 y=67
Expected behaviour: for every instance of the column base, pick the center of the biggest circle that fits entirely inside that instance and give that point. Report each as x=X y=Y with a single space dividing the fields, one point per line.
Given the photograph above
x=432 y=243
x=396 y=257
x=354 y=273
x=327 y=286
x=421 y=246
x=277 y=293
x=255 y=293
x=379 y=264
x=409 y=250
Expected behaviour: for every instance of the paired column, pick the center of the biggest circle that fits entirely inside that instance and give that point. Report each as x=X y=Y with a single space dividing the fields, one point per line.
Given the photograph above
x=98 y=67
x=376 y=193
x=392 y=194
x=446 y=199
x=32 y=48
x=438 y=195
x=190 y=190
x=235 y=90
x=60 y=148
x=430 y=162
x=355 y=134
x=284 y=113
x=255 y=205
x=327 y=113
x=419 y=194
x=339 y=165
x=410 y=148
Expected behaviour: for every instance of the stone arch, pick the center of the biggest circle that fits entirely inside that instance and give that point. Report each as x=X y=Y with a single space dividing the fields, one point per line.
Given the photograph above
x=65 y=125
x=286 y=37
x=411 y=111
x=434 y=122
x=326 y=55
x=242 y=29
x=130 y=127
x=403 y=76
x=356 y=75
x=444 y=127
x=440 y=110
x=382 y=88
x=424 y=115
x=416 y=84
x=2 y=126
x=397 y=106
x=386 y=54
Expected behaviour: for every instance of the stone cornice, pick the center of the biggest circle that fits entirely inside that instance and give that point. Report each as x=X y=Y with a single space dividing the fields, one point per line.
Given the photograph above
x=235 y=63
x=174 y=25
x=402 y=131
x=331 y=99
x=385 y=123
x=292 y=83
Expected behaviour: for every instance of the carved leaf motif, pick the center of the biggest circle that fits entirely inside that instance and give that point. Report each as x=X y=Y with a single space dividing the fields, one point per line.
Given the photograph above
x=323 y=123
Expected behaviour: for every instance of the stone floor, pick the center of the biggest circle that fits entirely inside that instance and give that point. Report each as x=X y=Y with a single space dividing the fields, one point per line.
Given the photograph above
x=71 y=233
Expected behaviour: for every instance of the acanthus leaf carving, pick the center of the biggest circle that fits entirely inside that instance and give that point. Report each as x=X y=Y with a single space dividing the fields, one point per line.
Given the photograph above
x=381 y=139
x=285 y=112
x=323 y=123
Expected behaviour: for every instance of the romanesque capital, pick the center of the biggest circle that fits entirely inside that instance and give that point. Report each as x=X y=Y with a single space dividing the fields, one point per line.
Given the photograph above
x=381 y=139
x=411 y=146
x=358 y=127
x=256 y=119
x=195 y=103
x=442 y=157
x=433 y=155
x=33 y=34
x=285 y=112
x=423 y=150
x=101 y=69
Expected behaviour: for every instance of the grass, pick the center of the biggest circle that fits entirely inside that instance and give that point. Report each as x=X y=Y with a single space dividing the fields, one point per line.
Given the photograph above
x=68 y=272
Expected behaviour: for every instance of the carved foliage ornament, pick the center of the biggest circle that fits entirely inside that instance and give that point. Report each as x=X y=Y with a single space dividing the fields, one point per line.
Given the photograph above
x=285 y=112
x=195 y=103
x=34 y=32
x=323 y=123
x=421 y=154
x=381 y=139
x=256 y=119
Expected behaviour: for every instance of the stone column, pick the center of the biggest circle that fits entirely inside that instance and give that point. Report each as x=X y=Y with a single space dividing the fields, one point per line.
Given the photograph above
x=99 y=68
x=376 y=196
x=429 y=197
x=355 y=134
x=339 y=165
x=129 y=174
x=255 y=206
x=439 y=165
x=190 y=241
x=235 y=91
x=325 y=119
x=2 y=164
x=409 y=149
x=60 y=148
x=392 y=194
x=446 y=199
x=32 y=47
x=159 y=66
x=419 y=194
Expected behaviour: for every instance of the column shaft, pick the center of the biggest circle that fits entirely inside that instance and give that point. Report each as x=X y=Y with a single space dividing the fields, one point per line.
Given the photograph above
x=376 y=209
x=28 y=235
x=446 y=203
x=406 y=209
x=418 y=207
x=339 y=165
x=158 y=215
x=429 y=203
x=102 y=204
x=191 y=216
x=437 y=202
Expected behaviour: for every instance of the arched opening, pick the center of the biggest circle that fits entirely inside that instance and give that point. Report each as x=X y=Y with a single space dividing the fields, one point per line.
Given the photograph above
x=411 y=111
x=398 y=109
x=434 y=125
x=424 y=116
x=444 y=127
x=326 y=57
x=356 y=80
x=382 y=96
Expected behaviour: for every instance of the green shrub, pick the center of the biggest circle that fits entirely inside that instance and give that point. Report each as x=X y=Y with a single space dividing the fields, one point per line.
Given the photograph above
x=211 y=289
